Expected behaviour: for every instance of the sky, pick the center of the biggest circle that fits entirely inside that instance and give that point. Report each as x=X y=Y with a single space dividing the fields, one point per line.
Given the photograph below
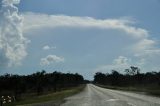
x=79 y=36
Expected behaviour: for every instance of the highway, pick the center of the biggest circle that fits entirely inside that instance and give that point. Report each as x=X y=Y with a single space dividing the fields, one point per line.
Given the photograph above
x=97 y=96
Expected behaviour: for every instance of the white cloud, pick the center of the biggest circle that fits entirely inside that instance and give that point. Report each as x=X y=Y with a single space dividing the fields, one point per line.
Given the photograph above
x=51 y=59
x=12 y=42
x=119 y=64
x=46 y=47
x=141 y=47
x=10 y=2
x=38 y=21
x=121 y=60
x=145 y=48
x=143 y=43
x=122 y=63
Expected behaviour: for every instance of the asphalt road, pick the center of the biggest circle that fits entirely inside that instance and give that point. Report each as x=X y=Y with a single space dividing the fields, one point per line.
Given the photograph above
x=97 y=96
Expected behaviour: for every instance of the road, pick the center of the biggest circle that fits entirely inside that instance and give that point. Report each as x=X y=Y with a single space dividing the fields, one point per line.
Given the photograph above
x=97 y=96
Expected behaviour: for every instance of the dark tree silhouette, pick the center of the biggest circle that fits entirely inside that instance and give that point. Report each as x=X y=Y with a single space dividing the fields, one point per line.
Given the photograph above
x=38 y=83
x=132 y=77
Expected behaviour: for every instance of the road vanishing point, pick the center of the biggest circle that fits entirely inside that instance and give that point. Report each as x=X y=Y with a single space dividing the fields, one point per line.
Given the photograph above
x=97 y=96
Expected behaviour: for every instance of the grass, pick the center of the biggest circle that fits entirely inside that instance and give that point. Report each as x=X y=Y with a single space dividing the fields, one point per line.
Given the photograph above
x=54 y=97
x=151 y=90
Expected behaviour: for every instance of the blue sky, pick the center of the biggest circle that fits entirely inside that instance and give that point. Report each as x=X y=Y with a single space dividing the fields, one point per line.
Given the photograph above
x=83 y=36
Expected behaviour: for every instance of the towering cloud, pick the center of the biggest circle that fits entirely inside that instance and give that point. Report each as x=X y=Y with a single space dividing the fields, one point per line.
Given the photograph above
x=12 y=42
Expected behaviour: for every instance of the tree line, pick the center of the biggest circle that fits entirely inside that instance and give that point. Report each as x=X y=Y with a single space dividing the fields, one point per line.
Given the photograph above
x=130 y=77
x=38 y=83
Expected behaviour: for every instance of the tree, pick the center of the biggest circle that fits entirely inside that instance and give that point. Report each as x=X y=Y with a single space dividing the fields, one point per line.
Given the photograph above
x=132 y=71
x=99 y=78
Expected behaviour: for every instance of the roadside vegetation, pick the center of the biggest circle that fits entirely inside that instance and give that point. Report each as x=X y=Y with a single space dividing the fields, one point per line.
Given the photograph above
x=39 y=87
x=52 y=98
x=131 y=80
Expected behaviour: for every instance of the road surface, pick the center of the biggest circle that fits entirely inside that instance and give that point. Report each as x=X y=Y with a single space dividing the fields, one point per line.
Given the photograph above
x=97 y=96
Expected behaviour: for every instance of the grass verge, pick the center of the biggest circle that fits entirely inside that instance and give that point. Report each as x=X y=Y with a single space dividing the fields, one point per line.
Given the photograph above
x=154 y=91
x=56 y=97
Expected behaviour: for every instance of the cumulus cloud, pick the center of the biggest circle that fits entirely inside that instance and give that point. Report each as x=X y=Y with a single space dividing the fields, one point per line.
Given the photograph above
x=120 y=64
x=12 y=42
x=146 y=47
x=121 y=60
x=51 y=59
x=46 y=47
